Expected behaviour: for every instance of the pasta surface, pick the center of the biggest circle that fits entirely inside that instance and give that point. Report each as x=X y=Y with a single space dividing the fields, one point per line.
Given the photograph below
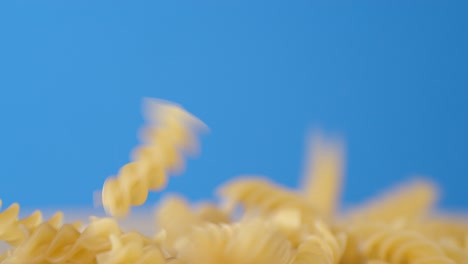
x=255 y=221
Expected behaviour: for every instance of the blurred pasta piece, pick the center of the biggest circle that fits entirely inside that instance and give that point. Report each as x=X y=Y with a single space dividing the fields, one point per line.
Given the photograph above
x=410 y=201
x=323 y=176
x=169 y=134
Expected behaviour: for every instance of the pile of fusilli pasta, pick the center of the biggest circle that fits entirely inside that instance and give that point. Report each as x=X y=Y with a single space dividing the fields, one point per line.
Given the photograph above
x=256 y=222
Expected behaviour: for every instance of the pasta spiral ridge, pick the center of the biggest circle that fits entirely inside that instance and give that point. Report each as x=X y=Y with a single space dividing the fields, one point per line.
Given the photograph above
x=403 y=246
x=440 y=228
x=176 y=218
x=215 y=237
x=257 y=195
x=170 y=133
x=66 y=244
x=14 y=230
x=131 y=247
x=323 y=174
x=322 y=247
x=410 y=201
x=250 y=242
x=454 y=250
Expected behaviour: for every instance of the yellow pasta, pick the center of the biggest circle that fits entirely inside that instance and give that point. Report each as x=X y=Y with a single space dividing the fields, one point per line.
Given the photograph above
x=410 y=201
x=47 y=244
x=375 y=261
x=169 y=133
x=250 y=242
x=321 y=247
x=14 y=230
x=258 y=195
x=205 y=243
x=175 y=261
x=403 y=246
x=323 y=177
x=256 y=222
x=210 y=212
x=176 y=218
x=443 y=228
x=131 y=247
x=292 y=224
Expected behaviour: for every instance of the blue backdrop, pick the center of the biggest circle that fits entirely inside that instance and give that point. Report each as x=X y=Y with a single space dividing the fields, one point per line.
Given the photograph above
x=390 y=76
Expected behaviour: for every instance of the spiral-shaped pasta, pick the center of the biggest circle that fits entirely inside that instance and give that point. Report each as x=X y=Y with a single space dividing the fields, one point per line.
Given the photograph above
x=403 y=246
x=323 y=175
x=175 y=261
x=257 y=241
x=131 y=247
x=294 y=224
x=249 y=242
x=169 y=134
x=176 y=218
x=454 y=250
x=321 y=247
x=209 y=212
x=376 y=261
x=410 y=201
x=67 y=244
x=259 y=196
x=14 y=230
x=445 y=226
x=205 y=243
x=357 y=232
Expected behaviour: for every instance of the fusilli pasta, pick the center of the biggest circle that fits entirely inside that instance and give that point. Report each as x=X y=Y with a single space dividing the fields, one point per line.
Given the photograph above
x=257 y=221
x=249 y=242
x=14 y=230
x=321 y=247
x=47 y=244
x=170 y=132
x=260 y=196
x=403 y=246
x=131 y=247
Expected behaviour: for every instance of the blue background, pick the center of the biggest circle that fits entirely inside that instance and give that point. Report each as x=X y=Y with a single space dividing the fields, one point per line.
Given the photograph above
x=391 y=77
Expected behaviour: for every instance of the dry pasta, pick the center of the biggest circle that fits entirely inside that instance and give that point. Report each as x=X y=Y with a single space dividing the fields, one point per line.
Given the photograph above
x=256 y=222
x=322 y=181
x=403 y=246
x=169 y=133
x=176 y=218
x=258 y=195
x=14 y=230
x=48 y=244
x=412 y=200
x=322 y=247
x=251 y=241
x=131 y=247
